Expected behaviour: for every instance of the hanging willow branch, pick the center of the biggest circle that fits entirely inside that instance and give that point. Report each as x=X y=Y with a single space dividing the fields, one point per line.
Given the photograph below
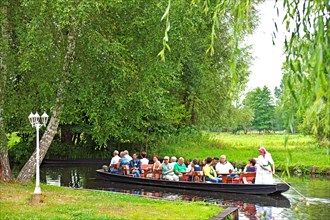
x=166 y=16
x=307 y=65
x=235 y=11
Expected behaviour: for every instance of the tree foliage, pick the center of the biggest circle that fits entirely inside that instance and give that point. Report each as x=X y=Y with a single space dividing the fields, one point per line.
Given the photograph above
x=94 y=66
x=116 y=84
x=261 y=102
x=307 y=65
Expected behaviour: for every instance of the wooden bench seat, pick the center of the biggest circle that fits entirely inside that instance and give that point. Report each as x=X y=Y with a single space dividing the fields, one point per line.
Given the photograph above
x=249 y=176
x=198 y=176
x=115 y=166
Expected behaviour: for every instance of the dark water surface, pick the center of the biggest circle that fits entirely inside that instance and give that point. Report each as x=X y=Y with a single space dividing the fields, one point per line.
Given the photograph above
x=317 y=191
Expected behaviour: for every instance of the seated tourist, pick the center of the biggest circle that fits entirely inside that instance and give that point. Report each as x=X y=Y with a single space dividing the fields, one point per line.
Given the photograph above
x=203 y=162
x=224 y=166
x=167 y=170
x=173 y=160
x=156 y=168
x=135 y=166
x=249 y=168
x=215 y=162
x=114 y=161
x=194 y=167
x=209 y=172
x=123 y=161
x=189 y=167
x=127 y=155
x=144 y=159
x=180 y=167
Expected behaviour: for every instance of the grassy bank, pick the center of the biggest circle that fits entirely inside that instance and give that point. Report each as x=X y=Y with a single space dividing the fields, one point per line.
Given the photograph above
x=301 y=152
x=64 y=203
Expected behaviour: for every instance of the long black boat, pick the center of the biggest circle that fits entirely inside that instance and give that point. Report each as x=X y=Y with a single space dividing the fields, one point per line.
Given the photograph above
x=195 y=195
x=253 y=189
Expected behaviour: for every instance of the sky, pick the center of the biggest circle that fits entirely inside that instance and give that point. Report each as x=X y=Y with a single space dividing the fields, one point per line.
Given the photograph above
x=268 y=59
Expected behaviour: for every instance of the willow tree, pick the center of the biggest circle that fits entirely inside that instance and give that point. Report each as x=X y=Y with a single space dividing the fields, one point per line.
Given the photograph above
x=307 y=65
x=96 y=63
x=213 y=68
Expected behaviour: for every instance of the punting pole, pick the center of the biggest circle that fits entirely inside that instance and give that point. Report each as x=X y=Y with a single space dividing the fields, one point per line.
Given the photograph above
x=291 y=187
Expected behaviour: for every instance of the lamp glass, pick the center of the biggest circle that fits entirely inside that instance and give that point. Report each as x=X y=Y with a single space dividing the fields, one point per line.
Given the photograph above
x=44 y=118
x=37 y=117
x=31 y=118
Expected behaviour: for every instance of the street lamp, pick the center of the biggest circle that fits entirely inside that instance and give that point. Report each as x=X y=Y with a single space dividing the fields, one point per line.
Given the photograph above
x=34 y=120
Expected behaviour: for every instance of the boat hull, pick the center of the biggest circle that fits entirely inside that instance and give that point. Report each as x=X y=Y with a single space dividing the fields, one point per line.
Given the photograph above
x=253 y=189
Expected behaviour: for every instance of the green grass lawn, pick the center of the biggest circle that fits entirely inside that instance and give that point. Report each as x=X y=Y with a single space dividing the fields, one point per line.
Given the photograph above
x=65 y=203
x=305 y=151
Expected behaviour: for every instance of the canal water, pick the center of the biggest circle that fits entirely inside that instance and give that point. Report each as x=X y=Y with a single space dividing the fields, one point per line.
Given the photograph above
x=288 y=206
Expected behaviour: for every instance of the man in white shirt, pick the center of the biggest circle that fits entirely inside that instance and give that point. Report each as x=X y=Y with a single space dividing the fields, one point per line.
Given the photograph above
x=114 y=161
x=224 y=166
x=127 y=155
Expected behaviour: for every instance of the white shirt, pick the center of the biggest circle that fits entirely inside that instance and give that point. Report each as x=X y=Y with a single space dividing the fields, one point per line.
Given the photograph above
x=188 y=168
x=115 y=160
x=144 y=161
x=224 y=168
x=128 y=157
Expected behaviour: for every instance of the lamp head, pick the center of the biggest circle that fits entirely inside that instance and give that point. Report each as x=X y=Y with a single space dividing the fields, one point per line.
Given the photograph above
x=44 y=118
x=32 y=119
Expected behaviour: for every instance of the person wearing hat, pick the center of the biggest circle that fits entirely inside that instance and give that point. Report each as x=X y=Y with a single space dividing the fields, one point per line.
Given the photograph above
x=113 y=162
x=265 y=168
x=167 y=170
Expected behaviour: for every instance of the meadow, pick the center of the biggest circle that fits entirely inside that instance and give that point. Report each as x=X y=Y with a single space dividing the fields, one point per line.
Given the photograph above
x=65 y=203
x=300 y=153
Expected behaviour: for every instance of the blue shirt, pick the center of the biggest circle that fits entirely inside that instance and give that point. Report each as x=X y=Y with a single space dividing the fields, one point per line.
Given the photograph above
x=124 y=161
x=197 y=168
x=250 y=169
x=135 y=164
x=166 y=168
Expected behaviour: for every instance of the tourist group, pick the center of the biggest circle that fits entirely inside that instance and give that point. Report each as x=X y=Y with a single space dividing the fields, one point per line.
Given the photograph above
x=258 y=170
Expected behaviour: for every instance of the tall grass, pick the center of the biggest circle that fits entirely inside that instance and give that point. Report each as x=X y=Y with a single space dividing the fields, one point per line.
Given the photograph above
x=304 y=150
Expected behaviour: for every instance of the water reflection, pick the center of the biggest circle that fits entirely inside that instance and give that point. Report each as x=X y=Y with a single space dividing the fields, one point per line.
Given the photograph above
x=251 y=206
x=264 y=212
x=75 y=179
x=53 y=181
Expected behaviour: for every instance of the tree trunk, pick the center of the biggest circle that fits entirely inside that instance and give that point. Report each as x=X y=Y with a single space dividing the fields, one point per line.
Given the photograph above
x=5 y=171
x=29 y=169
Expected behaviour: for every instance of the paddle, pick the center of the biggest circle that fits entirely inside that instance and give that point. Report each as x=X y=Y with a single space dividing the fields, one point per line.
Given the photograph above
x=293 y=189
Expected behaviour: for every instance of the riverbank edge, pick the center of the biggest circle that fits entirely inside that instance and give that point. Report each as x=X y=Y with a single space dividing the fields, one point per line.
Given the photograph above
x=20 y=195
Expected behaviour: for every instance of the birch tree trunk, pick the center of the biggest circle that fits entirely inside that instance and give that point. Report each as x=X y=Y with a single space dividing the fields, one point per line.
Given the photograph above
x=5 y=171
x=29 y=169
